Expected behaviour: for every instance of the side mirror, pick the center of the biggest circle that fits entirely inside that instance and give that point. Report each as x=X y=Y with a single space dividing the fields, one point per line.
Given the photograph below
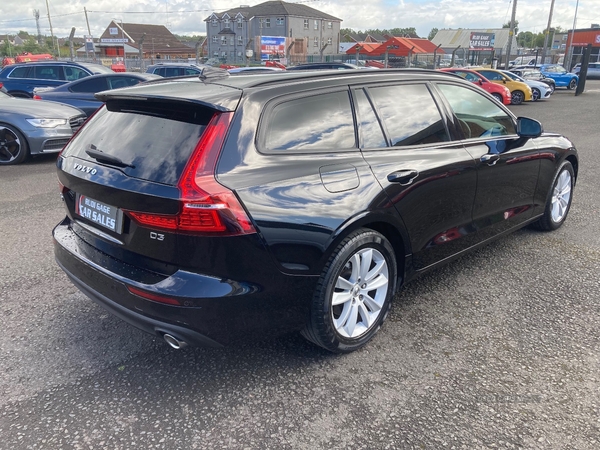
x=528 y=128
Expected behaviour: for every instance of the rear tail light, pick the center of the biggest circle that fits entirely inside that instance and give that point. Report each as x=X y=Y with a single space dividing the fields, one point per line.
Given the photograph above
x=35 y=96
x=206 y=205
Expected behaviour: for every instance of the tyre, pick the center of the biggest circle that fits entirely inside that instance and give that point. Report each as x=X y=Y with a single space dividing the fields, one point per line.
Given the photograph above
x=572 y=84
x=559 y=199
x=354 y=293
x=552 y=88
x=13 y=146
x=498 y=97
x=517 y=97
x=536 y=94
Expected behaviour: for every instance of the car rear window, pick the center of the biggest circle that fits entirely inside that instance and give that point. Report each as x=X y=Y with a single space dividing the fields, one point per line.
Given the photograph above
x=155 y=138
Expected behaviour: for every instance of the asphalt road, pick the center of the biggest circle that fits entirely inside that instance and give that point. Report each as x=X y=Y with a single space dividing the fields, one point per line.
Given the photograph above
x=500 y=349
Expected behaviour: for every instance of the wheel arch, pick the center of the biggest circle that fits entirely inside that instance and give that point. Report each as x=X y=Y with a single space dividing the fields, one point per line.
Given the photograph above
x=10 y=125
x=390 y=227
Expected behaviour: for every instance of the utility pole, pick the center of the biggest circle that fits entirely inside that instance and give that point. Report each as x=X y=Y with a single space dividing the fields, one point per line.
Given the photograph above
x=51 y=31
x=36 y=14
x=87 y=21
x=547 y=33
x=511 y=33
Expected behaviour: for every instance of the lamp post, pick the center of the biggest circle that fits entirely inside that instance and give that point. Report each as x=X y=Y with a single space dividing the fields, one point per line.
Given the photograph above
x=570 y=57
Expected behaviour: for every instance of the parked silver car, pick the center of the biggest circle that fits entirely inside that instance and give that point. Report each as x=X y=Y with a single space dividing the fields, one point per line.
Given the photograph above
x=29 y=127
x=592 y=72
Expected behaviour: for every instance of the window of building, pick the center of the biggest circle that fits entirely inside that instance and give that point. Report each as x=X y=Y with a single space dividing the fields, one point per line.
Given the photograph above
x=330 y=25
x=240 y=40
x=223 y=40
x=280 y=21
x=214 y=22
x=215 y=39
x=306 y=24
x=415 y=120
x=226 y=21
x=240 y=22
x=267 y=23
x=316 y=42
x=330 y=41
x=231 y=40
x=315 y=123
x=316 y=24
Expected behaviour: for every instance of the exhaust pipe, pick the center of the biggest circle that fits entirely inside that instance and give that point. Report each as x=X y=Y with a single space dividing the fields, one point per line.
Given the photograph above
x=174 y=342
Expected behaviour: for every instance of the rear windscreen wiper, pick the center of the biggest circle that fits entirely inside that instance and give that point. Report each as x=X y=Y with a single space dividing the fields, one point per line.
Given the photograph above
x=102 y=157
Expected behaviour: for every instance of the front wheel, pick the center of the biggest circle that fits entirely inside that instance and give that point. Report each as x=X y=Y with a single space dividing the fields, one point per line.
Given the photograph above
x=498 y=97
x=572 y=84
x=13 y=146
x=354 y=293
x=536 y=94
x=559 y=199
x=517 y=97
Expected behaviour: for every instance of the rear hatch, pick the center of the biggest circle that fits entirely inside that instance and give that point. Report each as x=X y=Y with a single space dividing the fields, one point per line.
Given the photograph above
x=138 y=179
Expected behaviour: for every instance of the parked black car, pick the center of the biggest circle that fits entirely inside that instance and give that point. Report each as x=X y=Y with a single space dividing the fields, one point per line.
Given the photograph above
x=21 y=79
x=81 y=93
x=217 y=209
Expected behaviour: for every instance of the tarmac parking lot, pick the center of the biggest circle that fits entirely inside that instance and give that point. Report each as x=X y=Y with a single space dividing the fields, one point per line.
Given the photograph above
x=500 y=349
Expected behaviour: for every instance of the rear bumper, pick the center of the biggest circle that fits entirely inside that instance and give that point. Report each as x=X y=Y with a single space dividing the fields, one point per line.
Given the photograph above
x=215 y=311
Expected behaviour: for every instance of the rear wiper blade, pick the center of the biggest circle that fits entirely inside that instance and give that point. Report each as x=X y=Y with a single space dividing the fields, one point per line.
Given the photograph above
x=102 y=157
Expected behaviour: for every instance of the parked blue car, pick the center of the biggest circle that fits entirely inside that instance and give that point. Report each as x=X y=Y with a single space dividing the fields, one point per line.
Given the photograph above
x=81 y=93
x=559 y=74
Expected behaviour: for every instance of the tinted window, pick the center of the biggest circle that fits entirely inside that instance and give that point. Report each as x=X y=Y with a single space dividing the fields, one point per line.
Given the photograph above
x=479 y=116
x=75 y=73
x=469 y=76
x=90 y=85
x=490 y=75
x=322 y=122
x=119 y=82
x=47 y=72
x=157 y=139
x=191 y=71
x=173 y=71
x=409 y=114
x=371 y=135
x=20 y=72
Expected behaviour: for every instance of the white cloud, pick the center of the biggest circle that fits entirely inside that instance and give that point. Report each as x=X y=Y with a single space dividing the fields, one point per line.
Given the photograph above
x=187 y=16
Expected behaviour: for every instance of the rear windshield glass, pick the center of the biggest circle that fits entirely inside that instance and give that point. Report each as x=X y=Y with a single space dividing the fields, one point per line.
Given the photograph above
x=156 y=139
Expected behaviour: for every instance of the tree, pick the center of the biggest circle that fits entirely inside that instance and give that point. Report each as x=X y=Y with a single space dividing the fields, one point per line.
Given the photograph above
x=507 y=25
x=432 y=33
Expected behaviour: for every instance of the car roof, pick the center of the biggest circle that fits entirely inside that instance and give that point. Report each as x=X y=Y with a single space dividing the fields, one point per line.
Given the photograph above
x=222 y=91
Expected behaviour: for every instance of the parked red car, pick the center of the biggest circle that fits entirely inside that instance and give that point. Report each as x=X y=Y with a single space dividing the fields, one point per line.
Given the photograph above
x=499 y=92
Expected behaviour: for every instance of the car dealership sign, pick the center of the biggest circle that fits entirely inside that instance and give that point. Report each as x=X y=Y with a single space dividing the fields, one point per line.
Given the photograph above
x=482 y=41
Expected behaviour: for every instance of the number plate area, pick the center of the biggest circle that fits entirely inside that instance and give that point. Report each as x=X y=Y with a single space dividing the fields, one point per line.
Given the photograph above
x=106 y=216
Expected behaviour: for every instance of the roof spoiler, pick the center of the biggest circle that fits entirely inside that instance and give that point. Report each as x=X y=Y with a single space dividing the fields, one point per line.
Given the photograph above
x=212 y=73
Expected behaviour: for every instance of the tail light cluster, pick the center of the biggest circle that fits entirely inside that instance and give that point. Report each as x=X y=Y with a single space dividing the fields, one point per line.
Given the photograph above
x=206 y=205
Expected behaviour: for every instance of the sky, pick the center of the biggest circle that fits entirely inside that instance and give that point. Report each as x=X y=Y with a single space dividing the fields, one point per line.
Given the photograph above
x=186 y=17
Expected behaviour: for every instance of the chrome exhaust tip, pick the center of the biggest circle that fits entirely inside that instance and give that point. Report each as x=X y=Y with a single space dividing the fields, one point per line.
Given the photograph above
x=174 y=342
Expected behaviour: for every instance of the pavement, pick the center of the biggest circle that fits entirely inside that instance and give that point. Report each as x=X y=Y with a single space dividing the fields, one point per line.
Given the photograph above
x=499 y=349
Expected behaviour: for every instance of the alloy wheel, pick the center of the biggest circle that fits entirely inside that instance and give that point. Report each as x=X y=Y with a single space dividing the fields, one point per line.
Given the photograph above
x=10 y=145
x=561 y=196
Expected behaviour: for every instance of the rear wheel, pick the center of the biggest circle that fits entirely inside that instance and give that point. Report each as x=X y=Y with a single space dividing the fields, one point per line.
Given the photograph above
x=536 y=94
x=13 y=146
x=354 y=293
x=498 y=97
x=559 y=199
x=517 y=97
x=572 y=84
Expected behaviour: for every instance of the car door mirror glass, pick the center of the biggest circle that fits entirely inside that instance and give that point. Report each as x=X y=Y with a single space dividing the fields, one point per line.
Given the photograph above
x=529 y=128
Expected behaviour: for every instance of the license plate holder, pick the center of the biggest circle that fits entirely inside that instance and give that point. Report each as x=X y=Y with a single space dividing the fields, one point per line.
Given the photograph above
x=99 y=213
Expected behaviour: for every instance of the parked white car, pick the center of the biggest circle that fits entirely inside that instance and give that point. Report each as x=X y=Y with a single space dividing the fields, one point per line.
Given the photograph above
x=539 y=90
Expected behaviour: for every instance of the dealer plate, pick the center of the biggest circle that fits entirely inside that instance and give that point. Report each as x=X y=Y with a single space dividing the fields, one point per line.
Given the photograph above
x=106 y=216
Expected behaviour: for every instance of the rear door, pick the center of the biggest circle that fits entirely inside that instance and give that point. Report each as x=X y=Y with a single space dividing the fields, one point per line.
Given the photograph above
x=426 y=172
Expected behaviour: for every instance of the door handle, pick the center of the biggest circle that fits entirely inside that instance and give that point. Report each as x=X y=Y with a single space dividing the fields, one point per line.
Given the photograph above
x=403 y=177
x=490 y=159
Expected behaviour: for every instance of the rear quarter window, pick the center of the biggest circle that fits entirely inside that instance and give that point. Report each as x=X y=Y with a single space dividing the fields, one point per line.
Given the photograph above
x=320 y=123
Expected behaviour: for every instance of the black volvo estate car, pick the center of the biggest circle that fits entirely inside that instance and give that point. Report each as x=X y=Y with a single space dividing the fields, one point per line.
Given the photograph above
x=216 y=209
